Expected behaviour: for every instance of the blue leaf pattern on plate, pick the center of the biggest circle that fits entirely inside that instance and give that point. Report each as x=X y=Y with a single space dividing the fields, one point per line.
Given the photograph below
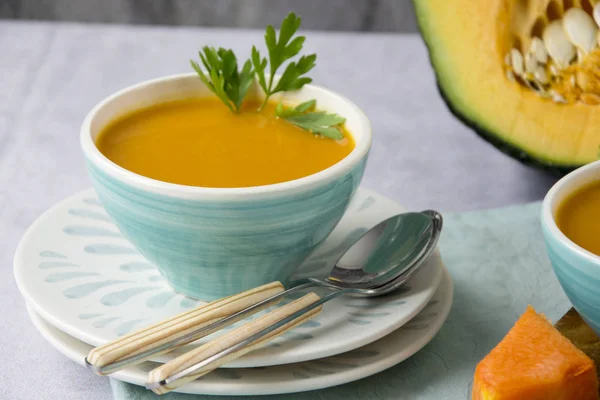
x=82 y=230
x=88 y=316
x=137 y=266
x=310 y=324
x=359 y=321
x=368 y=314
x=79 y=291
x=120 y=297
x=56 y=264
x=65 y=276
x=93 y=202
x=53 y=254
x=159 y=300
x=109 y=249
x=296 y=336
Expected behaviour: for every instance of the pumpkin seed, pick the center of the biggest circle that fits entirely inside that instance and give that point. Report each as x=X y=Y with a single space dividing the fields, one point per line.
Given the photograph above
x=540 y=75
x=516 y=61
x=538 y=49
x=531 y=83
x=558 y=44
x=510 y=75
x=580 y=29
x=535 y=85
x=530 y=63
x=590 y=99
x=596 y=13
x=557 y=98
x=544 y=94
x=548 y=66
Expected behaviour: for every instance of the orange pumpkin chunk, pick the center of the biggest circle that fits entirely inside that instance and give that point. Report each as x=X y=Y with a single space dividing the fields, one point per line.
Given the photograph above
x=535 y=362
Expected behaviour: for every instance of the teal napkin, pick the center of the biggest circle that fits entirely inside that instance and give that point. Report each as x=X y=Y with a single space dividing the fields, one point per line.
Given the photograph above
x=498 y=263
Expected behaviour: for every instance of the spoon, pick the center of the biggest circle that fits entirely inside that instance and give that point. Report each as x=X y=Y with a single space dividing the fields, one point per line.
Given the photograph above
x=385 y=260
x=380 y=261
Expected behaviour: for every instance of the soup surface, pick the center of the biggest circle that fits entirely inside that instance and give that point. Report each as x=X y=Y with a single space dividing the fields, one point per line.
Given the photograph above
x=200 y=142
x=578 y=217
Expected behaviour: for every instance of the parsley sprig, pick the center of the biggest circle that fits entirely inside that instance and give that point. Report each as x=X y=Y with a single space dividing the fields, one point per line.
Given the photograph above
x=281 y=50
x=223 y=77
x=318 y=122
x=231 y=85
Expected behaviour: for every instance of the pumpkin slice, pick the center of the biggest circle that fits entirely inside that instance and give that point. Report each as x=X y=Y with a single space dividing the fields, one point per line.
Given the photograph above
x=524 y=74
x=535 y=362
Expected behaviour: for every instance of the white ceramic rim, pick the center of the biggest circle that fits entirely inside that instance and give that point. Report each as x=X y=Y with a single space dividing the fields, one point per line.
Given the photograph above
x=362 y=146
x=301 y=385
x=548 y=217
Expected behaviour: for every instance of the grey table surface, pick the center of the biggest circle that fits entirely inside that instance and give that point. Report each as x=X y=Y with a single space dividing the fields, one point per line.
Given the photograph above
x=51 y=74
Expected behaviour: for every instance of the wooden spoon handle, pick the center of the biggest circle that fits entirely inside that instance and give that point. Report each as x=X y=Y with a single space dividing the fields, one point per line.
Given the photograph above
x=183 y=328
x=173 y=374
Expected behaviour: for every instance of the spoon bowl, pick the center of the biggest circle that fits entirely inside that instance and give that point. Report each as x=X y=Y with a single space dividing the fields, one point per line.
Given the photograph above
x=386 y=251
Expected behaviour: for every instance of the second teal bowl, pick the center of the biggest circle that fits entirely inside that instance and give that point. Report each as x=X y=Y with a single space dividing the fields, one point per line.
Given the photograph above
x=577 y=269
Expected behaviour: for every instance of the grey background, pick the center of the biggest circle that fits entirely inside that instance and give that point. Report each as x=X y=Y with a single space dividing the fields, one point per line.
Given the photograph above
x=349 y=15
x=52 y=74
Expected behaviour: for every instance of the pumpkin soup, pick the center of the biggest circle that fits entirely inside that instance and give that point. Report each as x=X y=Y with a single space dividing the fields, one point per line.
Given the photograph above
x=578 y=217
x=199 y=142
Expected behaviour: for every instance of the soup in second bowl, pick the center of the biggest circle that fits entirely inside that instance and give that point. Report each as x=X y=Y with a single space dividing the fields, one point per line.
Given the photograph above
x=199 y=142
x=578 y=217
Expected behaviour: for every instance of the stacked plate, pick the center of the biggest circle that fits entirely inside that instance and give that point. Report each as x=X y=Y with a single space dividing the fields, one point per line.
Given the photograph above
x=85 y=285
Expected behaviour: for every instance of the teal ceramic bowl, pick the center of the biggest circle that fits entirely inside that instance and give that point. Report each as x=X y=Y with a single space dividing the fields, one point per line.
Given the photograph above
x=212 y=242
x=577 y=269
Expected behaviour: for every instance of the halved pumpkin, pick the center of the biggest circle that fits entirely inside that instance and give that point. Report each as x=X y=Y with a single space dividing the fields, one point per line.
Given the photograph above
x=553 y=124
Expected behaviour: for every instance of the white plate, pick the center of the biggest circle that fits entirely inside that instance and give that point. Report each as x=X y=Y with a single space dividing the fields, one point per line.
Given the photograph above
x=77 y=271
x=318 y=374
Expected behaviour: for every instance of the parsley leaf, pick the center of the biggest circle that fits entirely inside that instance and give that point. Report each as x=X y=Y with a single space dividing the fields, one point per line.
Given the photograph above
x=318 y=122
x=222 y=76
x=280 y=50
